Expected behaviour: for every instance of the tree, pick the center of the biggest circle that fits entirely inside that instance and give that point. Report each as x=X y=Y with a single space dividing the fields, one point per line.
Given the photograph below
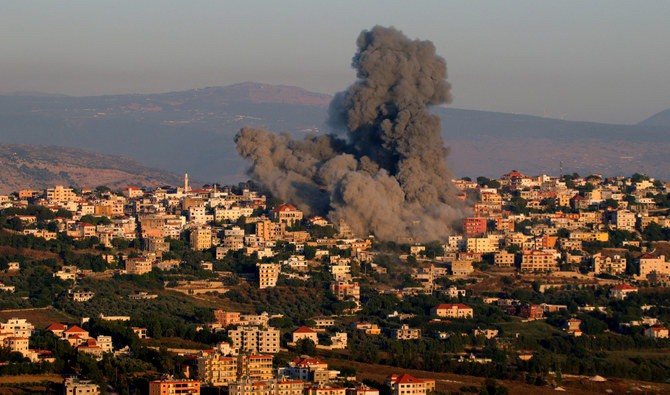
x=433 y=249
x=305 y=347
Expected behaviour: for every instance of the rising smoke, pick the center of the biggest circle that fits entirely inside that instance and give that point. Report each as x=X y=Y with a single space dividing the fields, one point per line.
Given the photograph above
x=389 y=174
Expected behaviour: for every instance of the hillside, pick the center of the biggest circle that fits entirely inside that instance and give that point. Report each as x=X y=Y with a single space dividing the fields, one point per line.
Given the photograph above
x=33 y=166
x=193 y=131
x=659 y=119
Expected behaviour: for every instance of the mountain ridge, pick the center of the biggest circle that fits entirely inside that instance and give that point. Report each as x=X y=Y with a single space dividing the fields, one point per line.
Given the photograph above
x=193 y=131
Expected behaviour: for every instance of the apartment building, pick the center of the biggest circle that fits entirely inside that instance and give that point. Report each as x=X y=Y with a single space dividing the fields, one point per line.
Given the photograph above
x=174 y=387
x=538 y=261
x=268 y=273
x=255 y=340
x=201 y=239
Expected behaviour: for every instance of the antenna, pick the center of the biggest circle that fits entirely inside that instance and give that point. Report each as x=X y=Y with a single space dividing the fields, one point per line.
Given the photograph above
x=561 y=169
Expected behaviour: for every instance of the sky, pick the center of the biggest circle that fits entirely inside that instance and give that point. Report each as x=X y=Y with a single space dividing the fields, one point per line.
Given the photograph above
x=602 y=61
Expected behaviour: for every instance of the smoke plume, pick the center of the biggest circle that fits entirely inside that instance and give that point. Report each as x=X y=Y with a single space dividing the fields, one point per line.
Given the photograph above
x=388 y=174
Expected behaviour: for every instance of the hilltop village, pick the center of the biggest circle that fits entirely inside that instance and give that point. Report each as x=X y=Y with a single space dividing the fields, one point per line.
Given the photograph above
x=224 y=289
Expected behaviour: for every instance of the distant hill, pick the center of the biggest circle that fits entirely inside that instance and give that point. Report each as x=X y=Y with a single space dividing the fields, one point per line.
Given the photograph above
x=659 y=119
x=193 y=131
x=28 y=166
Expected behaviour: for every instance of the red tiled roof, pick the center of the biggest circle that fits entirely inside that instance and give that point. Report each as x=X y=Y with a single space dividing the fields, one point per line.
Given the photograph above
x=448 y=306
x=75 y=329
x=623 y=287
x=406 y=378
x=285 y=207
x=56 y=327
x=304 y=329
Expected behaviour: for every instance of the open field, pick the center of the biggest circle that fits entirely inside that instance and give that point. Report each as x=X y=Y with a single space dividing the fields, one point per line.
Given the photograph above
x=40 y=317
x=448 y=382
x=537 y=329
x=28 y=383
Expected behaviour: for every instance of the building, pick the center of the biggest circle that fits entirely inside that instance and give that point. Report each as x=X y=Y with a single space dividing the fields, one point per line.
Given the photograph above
x=268 y=273
x=227 y=318
x=538 y=261
x=217 y=370
x=287 y=214
x=572 y=327
x=503 y=259
x=452 y=310
x=657 y=332
x=256 y=367
x=461 y=268
x=19 y=327
x=622 y=291
x=59 y=194
x=322 y=389
x=614 y=265
x=270 y=387
x=407 y=333
x=139 y=265
x=174 y=387
x=649 y=264
x=201 y=239
x=255 y=340
x=305 y=333
x=532 y=312
x=268 y=230
x=362 y=389
x=623 y=219
x=406 y=384
x=82 y=296
x=74 y=386
x=346 y=290
x=368 y=328
x=474 y=227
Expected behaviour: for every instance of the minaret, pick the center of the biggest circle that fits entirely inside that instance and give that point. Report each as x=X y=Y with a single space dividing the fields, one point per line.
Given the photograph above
x=185 y=182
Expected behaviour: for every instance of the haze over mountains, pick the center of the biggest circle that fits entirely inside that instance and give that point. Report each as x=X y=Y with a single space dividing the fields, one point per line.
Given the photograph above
x=193 y=131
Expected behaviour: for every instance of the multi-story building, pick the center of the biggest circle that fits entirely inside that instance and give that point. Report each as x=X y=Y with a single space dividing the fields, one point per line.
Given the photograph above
x=255 y=340
x=622 y=291
x=227 y=318
x=287 y=214
x=538 y=261
x=174 y=387
x=74 y=386
x=217 y=370
x=268 y=230
x=614 y=265
x=268 y=273
x=346 y=290
x=18 y=327
x=139 y=266
x=248 y=386
x=59 y=194
x=409 y=385
x=482 y=245
x=474 y=227
x=452 y=310
x=623 y=219
x=407 y=333
x=461 y=268
x=256 y=367
x=503 y=259
x=650 y=263
x=201 y=239
x=305 y=333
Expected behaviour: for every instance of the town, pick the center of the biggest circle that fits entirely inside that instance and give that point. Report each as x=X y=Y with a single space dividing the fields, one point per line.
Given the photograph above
x=547 y=282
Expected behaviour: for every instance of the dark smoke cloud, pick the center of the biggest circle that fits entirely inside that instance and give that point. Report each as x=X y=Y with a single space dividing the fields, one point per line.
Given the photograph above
x=388 y=175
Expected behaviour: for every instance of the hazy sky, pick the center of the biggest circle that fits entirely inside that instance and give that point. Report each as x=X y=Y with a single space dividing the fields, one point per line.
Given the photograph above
x=605 y=61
